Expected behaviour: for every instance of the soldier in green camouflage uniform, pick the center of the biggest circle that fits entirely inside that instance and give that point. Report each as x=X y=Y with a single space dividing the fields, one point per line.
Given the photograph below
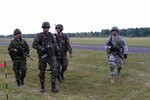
x=16 y=48
x=44 y=43
x=64 y=46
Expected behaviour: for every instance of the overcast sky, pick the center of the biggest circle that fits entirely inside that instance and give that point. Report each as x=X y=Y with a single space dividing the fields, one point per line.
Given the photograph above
x=75 y=15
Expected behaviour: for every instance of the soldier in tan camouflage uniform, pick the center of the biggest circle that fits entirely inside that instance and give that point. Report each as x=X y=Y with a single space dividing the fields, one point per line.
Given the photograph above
x=44 y=44
x=18 y=47
x=64 y=46
x=117 y=50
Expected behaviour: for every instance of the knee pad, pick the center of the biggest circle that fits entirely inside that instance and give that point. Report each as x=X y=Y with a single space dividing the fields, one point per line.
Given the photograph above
x=112 y=68
x=111 y=63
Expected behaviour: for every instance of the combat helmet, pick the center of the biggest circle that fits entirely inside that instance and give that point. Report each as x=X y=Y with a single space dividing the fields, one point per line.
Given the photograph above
x=17 y=31
x=45 y=25
x=59 y=26
x=114 y=28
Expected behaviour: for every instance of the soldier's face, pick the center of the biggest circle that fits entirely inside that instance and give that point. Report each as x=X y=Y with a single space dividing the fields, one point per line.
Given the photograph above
x=17 y=36
x=58 y=30
x=45 y=30
x=114 y=33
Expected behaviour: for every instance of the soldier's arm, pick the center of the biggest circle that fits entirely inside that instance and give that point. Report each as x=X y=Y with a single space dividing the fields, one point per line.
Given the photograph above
x=107 y=46
x=53 y=39
x=27 y=47
x=68 y=45
x=56 y=43
x=35 y=43
x=10 y=47
x=125 y=47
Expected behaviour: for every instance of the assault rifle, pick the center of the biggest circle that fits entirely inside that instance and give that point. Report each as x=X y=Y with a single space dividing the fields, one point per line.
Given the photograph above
x=22 y=51
x=47 y=54
x=119 y=48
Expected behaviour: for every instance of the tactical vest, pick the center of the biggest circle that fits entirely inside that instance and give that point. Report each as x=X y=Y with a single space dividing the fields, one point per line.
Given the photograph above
x=17 y=44
x=116 y=43
x=46 y=40
x=62 y=42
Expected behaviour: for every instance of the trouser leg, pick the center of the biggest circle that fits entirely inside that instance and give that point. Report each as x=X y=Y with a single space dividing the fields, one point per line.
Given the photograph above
x=23 y=71
x=42 y=68
x=16 y=68
x=64 y=66
x=54 y=74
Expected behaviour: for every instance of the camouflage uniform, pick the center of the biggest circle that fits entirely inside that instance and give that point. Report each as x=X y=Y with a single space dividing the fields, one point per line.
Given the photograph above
x=18 y=58
x=117 y=51
x=64 y=46
x=44 y=43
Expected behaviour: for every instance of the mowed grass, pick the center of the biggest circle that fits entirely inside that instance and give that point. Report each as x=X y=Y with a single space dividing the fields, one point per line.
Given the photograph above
x=87 y=78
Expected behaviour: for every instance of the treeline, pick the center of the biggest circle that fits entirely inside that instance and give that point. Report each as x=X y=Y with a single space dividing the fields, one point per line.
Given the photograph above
x=23 y=35
x=130 y=32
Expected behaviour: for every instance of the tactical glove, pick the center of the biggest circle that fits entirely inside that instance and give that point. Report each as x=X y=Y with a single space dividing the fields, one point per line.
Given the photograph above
x=112 y=48
x=125 y=56
x=70 y=55
x=41 y=48
x=15 y=50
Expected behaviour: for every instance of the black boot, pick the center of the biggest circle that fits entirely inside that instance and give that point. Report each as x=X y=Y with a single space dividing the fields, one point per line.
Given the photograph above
x=54 y=87
x=59 y=79
x=62 y=76
x=42 y=87
x=18 y=83
x=22 y=81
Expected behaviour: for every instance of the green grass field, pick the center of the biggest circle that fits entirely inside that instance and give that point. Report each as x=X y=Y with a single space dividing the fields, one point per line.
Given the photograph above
x=135 y=41
x=141 y=42
x=87 y=78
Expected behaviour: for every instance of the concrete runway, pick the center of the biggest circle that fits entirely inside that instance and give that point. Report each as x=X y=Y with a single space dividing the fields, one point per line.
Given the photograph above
x=98 y=47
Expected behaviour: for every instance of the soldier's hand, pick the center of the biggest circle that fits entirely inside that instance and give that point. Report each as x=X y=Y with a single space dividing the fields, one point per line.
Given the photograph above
x=125 y=56
x=41 y=48
x=57 y=47
x=70 y=55
x=112 y=48
x=15 y=50
x=59 y=57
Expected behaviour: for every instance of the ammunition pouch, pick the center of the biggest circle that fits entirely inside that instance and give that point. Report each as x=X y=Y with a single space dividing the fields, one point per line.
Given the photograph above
x=47 y=52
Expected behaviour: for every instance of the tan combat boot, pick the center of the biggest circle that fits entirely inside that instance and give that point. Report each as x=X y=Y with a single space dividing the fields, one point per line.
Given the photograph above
x=119 y=72
x=112 y=80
